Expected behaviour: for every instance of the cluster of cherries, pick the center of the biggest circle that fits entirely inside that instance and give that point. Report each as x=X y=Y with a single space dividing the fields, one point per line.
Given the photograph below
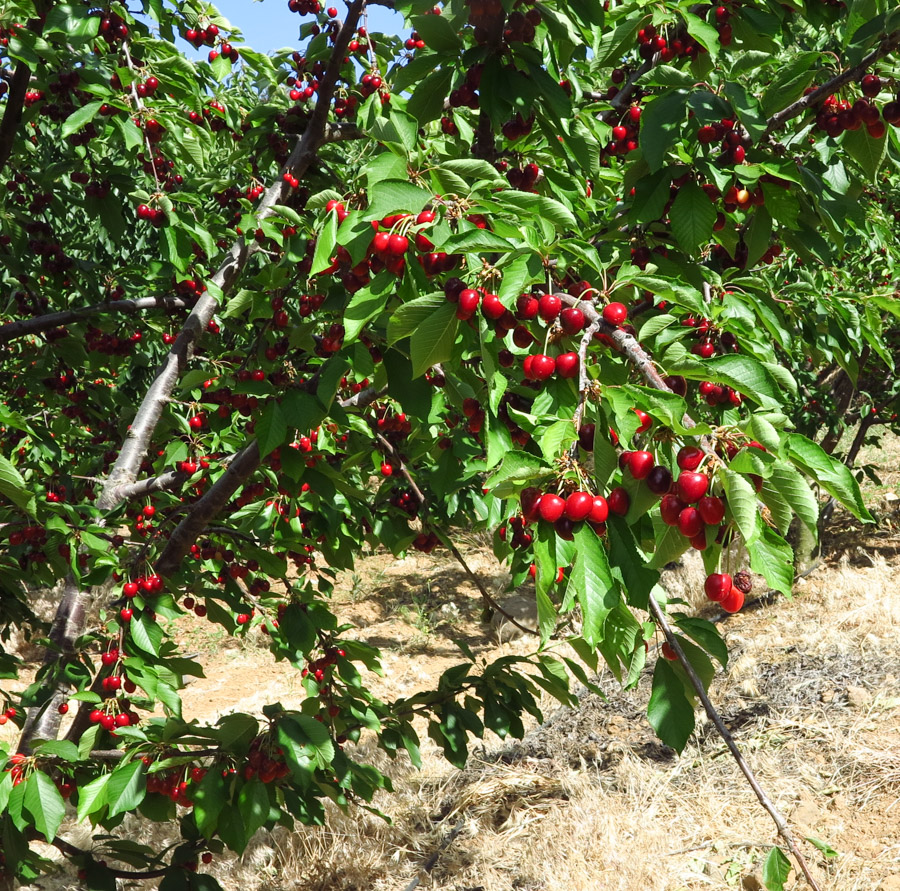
x=835 y=116
x=728 y=592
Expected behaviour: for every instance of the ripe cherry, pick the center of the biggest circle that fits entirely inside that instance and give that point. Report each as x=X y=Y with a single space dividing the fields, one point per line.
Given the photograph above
x=527 y=307
x=551 y=507
x=733 y=600
x=619 y=501
x=491 y=307
x=640 y=464
x=689 y=457
x=659 y=480
x=130 y=589
x=579 y=506
x=690 y=523
x=645 y=419
x=468 y=303
x=615 y=313
x=691 y=486
x=386 y=469
x=542 y=367
x=669 y=509
x=711 y=509
x=567 y=365
x=549 y=306
x=668 y=652
x=599 y=510
x=571 y=319
x=717 y=586
x=398 y=245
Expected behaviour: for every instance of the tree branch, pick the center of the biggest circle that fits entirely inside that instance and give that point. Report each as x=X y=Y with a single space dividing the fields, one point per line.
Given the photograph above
x=781 y=824
x=204 y=509
x=12 y=116
x=165 y=482
x=889 y=43
x=39 y=324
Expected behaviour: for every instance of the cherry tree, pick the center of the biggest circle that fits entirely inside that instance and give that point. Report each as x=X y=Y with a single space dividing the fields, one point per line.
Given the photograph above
x=607 y=281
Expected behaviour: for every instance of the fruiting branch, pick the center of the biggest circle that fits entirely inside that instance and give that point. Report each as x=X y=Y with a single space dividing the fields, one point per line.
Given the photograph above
x=781 y=824
x=889 y=43
x=39 y=324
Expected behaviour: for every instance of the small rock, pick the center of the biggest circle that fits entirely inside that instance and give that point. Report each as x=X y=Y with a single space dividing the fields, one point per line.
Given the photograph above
x=753 y=882
x=857 y=697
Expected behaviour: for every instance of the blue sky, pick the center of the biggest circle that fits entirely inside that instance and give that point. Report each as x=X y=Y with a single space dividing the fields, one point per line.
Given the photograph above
x=270 y=25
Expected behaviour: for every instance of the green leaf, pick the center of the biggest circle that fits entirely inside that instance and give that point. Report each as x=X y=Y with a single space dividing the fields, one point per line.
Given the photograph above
x=793 y=488
x=209 y=799
x=475 y=240
x=558 y=214
x=75 y=121
x=776 y=870
x=705 y=634
x=325 y=244
x=390 y=196
x=306 y=743
x=58 y=748
x=432 y=342
x=829 y=473
x=367 y=303
x=638 y=579
x=271 y=429
x=515 y=469
x=12 y=487
x=427 y=102
x=146 y=634
x=741 y=502
x=866 y=150
x=771 y=556
x=45 y=804
x=438 y=34
x=92 y=796
x=127 y=788
x=662 y=122
x=669 y=711
x=824 y=847
x=474 y=168
x=410 y=315
x=253 y=804
x=592 y=584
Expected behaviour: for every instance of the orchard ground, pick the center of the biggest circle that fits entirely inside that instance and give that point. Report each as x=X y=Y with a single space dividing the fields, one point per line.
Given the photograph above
x=592 y=799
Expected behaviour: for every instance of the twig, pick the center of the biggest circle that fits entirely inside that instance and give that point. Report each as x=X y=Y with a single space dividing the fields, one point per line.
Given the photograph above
x=38 y=324
x=781 y=824
x=445 y=540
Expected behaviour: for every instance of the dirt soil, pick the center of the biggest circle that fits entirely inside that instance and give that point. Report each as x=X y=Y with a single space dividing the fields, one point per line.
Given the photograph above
x=591 y=799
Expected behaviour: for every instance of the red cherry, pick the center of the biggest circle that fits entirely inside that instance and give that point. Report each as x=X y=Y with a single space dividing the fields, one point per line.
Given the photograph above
x=689 y=458
x=196 y=422
x=149 y=510
x=692 y=486
x=381 y=241
x=619 y=501
x=669 y=509
x=668 y=652
x=63 y=708
x=599 y=510
x=386 y=469
x=542 y=367
x=717 y=586
x=130 y=589
x=468 y=303
x=615 y=313
x=567 y=365
x=491 y=307
x=737 y=154
x=640 y=464
x=690 y=523
x=527 y=307
x=645 y=419
x=551 y=507
x=733 y=601
x=711 y=509
x=126 y=614
x=122 y=720
x=571 y=320
x=698 y=542
x=579 y=506
x=398 y=245
x=332 y=12
x=549 y=307
x=529 y=499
